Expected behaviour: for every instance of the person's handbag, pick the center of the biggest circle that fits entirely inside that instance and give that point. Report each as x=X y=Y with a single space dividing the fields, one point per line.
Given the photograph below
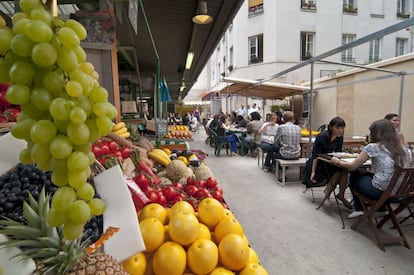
x=268 y=139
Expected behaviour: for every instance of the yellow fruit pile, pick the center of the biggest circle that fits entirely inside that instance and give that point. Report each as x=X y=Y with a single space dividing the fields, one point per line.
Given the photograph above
x=180 y=241
x=121 y=130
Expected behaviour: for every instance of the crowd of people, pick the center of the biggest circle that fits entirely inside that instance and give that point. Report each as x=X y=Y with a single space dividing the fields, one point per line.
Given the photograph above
x=279 y=137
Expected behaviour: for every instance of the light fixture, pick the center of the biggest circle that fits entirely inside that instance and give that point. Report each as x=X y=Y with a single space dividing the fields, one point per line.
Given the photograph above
x=202 y=16
x=189 y=60
x=182 y=87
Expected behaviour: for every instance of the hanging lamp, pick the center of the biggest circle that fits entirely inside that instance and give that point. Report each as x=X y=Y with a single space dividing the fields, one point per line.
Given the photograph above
x=202 y=16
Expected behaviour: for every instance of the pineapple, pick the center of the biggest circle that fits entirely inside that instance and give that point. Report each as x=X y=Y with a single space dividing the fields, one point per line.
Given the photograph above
x=46 y=246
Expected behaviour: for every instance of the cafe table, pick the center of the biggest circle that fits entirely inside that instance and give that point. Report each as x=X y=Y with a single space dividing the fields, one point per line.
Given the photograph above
x=344 y=156
x=353 y=144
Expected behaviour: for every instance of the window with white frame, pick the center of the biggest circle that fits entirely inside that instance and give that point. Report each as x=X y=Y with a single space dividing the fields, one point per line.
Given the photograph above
x=307 y=45
x=350 y=6
x=374 y=50
x=403 y=9
x=256 y=49
x=231 y=66
x=255 y=7
x=348 y=55
x=308 y=4
x=401 y=46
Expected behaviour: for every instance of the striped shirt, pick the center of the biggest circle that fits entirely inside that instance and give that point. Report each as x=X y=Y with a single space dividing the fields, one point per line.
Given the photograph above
x=288 y=137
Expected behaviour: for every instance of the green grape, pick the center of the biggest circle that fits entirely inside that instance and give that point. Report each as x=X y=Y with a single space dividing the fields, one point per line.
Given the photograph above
x=97 y=206
x=22 y=116
x=54 y=83
x=78 y=133
x=67 y=59
x=84 y=80
x=77 y=161
x=95 y=75
x=20 y=26
x=2 y=22
x=72 y=231
x=94 y=132
x=80 y=54
x=24 y=156
x=41 y=98
x=86 y=192
x=99 y=109
x=104 y=125
x=21 y=129
x=85 y=148
x=68 y=38
x=60 y=147
x=43 y=131
x=112 y=111
x=58 y=165
x=63 y=197
x=29 y=5
x=18 y=94
x=77 y=27
x=78 y=211
x=59 y=178
x=91 y=157
x=77 y=115
x=40 y=152
x=31 y=111
x=58 y=109
x=44 y=166
x=44 y=54
x=55 y=217
x=6 y=36
x=73 y=88
x=87 y=67
x=18 y=16
x=21 y=45
x=61 y=125
x=42 y=15
x=4 y=70
x=21 y=72
x=77 y=179
x=39 y=31
x=84 y=103
x=98 y=94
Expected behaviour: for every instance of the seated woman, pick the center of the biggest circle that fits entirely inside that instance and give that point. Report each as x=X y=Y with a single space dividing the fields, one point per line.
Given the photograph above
x=385 y=151
x=218 y=125
x=268 y=132
x=395 y=121
x=328 y=142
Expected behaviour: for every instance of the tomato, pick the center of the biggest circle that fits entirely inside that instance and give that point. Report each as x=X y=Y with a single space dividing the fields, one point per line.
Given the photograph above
x=161 y=199
x=170 y=193
x=3 y=119
x=113 y=146
x=178 y=186
x=96 y=151
x=152 y=196
x=125 y=152
x=218 y=195
x=105 y=149
x=218 y=188
x=12 y=114
x=199 y=183
x=211 y=182
x=191 y=190
x=117 y=154
x=202 y=193
x=142 y=181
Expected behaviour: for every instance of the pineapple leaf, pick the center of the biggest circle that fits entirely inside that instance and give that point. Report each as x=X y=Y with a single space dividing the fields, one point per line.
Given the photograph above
x=22 y=232
x=49 y=242
x=21 y=243
x=31 y=216
x=33 y=203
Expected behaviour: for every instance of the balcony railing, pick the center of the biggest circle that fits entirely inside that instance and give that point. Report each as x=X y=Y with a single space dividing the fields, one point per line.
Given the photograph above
x=403 y=15
x=348 y=59
x=350 y=9
x=256 y=9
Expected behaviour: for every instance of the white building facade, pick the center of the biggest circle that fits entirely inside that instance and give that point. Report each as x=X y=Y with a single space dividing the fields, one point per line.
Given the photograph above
x=268 y=36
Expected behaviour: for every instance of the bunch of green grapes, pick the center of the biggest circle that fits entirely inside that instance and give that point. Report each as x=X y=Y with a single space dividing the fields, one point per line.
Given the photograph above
x=63 y=107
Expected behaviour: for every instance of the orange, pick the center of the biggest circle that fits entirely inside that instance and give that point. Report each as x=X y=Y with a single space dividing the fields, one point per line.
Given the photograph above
x=154 y=210
x=253 y=269
x=233 y=252
x=204 y=232
x=135 y=265
x=253 y=258
x=184 y=228
x=152 y=232
x=169 y=259
x=227 y=226
x=181 y=206
x=228 y=213
x=221 y=271
x=210 y=212
x=202 y=256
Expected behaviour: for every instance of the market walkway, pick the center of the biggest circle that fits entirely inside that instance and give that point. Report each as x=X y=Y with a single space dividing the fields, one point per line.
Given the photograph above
x=289 y=235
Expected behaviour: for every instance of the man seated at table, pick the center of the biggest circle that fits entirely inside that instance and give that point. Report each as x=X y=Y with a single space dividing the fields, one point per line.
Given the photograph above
x=288 y=137
x=252 y=140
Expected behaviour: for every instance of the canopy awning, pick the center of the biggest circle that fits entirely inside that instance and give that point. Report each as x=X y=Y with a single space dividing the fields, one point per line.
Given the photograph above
x=266 y=90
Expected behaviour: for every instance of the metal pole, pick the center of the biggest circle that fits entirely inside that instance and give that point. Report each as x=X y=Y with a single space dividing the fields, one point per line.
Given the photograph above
x=310 y=103
x=401 y=97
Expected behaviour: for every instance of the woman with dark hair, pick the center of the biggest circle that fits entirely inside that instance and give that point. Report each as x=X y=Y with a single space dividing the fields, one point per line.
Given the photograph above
x=326 y=142
x=385 y=152
x=395 y=121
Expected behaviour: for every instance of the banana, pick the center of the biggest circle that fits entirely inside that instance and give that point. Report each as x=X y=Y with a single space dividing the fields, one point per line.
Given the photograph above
x=161 y=152
x=160 y=158
x=125 y=135
x=118 y=126
x=120 y=131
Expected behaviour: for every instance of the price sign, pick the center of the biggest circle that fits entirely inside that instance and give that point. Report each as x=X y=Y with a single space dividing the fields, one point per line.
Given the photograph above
x=161 y=127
